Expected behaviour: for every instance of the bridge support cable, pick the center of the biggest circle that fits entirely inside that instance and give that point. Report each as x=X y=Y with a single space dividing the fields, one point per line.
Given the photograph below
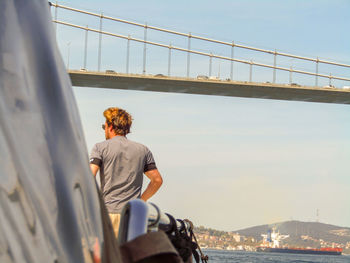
x=330 y=79
x=100 y=45
x=68 y=54
x=188 y=55
x=128 y=55
x=251 y=71
x=210 y=63
x=232 y=56
x=169 y=60
x=144 y=49
x=86 y=44
x=274 y=67
x=316 y=77
x=210 y=55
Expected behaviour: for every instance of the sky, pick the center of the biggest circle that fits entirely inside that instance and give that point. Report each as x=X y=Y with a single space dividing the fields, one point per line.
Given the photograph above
x=228 y=163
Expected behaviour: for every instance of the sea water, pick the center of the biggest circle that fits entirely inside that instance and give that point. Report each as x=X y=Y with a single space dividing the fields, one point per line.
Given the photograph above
x=225 y=256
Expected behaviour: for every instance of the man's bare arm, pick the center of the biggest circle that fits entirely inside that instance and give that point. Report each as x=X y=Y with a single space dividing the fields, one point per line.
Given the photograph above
x=94 y=168
x=154 y=185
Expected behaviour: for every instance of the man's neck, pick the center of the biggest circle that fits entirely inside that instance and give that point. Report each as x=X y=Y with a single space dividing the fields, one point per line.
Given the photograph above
x=115 y=135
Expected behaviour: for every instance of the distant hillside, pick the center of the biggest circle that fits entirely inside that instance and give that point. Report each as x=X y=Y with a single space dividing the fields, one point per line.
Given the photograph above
x=296 y=229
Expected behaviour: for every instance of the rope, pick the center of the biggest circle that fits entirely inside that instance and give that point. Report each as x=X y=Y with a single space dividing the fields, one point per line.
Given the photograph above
x=204 y=258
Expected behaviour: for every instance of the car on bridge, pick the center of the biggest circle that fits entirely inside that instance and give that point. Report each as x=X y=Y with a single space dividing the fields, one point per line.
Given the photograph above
x=202 y=77
x=329 y=87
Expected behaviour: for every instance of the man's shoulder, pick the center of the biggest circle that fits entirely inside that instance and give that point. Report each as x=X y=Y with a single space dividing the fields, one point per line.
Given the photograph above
x=138 y=145
x=118 y=140
x=101 y=144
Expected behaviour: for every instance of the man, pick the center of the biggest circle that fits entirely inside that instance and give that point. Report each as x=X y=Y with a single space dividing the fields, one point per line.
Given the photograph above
x=122 y=164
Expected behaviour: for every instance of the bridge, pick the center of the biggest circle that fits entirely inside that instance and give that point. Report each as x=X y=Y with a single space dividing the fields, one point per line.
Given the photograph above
x=188 y=62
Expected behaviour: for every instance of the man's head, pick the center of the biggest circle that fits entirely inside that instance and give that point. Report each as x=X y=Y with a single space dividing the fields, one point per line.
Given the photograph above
x=118 y=122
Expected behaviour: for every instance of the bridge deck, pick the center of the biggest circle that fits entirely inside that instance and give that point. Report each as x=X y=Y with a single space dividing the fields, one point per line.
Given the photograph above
x=209 y=87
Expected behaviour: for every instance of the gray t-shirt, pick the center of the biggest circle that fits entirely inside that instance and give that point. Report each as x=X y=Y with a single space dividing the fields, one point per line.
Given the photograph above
x=122 y=163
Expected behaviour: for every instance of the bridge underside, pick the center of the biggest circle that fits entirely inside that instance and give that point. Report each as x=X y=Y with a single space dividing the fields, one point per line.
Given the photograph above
x=208 y=87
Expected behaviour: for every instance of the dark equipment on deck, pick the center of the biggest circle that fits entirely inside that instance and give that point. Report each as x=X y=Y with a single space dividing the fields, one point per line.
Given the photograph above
x=139 y=218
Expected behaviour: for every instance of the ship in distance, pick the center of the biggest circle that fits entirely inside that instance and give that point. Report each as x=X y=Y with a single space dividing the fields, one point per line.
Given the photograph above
x=271 y=244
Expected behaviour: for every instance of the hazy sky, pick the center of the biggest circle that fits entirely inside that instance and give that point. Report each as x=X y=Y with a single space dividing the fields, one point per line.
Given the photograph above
x=231 y=163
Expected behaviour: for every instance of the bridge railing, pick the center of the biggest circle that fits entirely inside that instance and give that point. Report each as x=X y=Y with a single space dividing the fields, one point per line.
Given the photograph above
x=190 y=51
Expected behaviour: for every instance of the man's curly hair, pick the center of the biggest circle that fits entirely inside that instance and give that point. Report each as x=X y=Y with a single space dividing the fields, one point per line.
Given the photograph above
x=119 y=119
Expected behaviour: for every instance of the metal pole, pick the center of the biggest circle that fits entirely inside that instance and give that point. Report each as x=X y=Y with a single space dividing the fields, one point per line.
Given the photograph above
x=274 y=67
x=210 y=63
x=127 y=55
x=86 y=42
x=100 y=45
x=169 y=60
x=188 y=55
x=330 y=79
x=316 y=78
x=144 y=50
x=251 y=71
x=290 y=74
x=232 y=56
